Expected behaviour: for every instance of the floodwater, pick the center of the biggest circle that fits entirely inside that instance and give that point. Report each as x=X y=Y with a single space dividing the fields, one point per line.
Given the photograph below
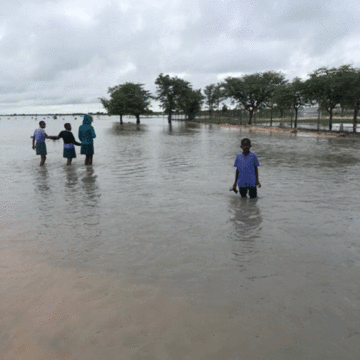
x=157 y=259
x=304 y=125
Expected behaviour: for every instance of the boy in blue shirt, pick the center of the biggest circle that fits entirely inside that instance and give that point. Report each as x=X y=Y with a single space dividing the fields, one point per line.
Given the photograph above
x=247 y=174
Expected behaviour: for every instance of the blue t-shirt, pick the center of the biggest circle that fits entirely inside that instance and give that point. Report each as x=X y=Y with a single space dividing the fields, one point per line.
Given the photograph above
x=246 y=166
x=39 y=135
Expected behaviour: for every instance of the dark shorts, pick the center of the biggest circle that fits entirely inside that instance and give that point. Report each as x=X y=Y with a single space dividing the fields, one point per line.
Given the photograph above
x=40 y=148
x=252 y=191
x=87 y=149
x=69 y=153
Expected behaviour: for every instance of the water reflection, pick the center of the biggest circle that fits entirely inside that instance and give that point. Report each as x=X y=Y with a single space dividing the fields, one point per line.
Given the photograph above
x=71 y=188
x=181 y=128
x=88 y=227
x=42 y=188
x=71 y=177
x=81 y=217
x=165 y=182
x=90 y=187
x=126 y=129
x=246 y=219
x=44 y=196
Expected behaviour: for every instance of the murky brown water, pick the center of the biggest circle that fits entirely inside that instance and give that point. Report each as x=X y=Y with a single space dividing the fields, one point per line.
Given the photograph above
x=191 y=271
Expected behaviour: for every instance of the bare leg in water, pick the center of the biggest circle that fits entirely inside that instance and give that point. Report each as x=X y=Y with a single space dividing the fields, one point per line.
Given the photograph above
x=88 y=160
x=42 y=161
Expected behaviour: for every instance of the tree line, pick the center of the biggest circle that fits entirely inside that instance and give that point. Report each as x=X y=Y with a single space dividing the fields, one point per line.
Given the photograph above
x=325 y=87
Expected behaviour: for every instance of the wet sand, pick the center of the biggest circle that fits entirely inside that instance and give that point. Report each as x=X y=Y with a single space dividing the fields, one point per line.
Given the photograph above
x=57 y=313
x=50 y=313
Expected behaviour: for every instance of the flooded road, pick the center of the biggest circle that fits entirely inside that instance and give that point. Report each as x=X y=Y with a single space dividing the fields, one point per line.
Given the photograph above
x=152 y=224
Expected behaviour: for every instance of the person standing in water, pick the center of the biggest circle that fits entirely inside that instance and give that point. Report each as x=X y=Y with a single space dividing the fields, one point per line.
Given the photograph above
x=40 y=147
x=247 y=174
x=86 y=136
x=69 y=142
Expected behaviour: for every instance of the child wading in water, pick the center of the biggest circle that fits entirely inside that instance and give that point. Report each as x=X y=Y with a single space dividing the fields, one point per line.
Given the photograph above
x=86 y=136
x=247 y=174
x=40 y=136
x=69 y=142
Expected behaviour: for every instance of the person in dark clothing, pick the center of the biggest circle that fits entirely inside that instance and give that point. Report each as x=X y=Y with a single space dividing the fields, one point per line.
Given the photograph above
x=87 y=136
x=69 y=142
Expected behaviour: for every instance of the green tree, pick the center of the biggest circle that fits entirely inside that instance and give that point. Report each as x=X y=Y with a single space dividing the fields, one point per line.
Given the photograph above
x=213 y=96
x=250 y=91
x=116 y=105
x=190 y=101
x=291 y=95
x=282 y=102
x=274 y=80
x=168 y=90
x=352 y=95
x=328 y=87
x=127 y=99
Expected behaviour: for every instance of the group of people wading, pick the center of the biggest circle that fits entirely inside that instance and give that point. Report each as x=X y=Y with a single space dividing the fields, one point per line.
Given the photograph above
x=86 y=136
x=246 y=175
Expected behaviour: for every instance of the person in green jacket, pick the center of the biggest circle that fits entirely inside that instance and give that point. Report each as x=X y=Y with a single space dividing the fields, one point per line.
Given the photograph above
x=86 y=136
x=69 y=142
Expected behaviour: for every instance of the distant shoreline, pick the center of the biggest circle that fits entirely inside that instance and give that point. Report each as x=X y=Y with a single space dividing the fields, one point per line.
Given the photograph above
x=292 y=131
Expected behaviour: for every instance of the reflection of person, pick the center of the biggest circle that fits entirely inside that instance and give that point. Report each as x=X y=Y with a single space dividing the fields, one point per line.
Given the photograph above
x=86 y=136
x=246 y=219
x=40 y=136
x=247 y=174
x=69 y=141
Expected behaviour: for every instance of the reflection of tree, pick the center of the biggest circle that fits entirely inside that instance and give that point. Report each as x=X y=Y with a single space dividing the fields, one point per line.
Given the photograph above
x=181 y=128
x=126 y=129
x=246 y=219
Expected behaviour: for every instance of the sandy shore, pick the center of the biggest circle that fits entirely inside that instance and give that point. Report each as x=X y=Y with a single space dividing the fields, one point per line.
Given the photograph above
x=49 y=313
x=52 y=313
x=298 y=132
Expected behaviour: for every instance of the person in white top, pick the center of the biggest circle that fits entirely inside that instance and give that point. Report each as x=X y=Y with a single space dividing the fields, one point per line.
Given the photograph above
x=40 y=146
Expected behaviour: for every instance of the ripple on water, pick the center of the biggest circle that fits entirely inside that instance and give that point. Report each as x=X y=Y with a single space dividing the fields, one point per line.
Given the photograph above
x=151 y=183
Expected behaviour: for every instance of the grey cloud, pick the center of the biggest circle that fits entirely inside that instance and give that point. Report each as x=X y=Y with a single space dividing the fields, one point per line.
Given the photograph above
x=51 y=58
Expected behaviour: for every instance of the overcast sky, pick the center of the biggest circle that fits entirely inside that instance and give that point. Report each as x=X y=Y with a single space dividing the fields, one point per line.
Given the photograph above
x=61 y=56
